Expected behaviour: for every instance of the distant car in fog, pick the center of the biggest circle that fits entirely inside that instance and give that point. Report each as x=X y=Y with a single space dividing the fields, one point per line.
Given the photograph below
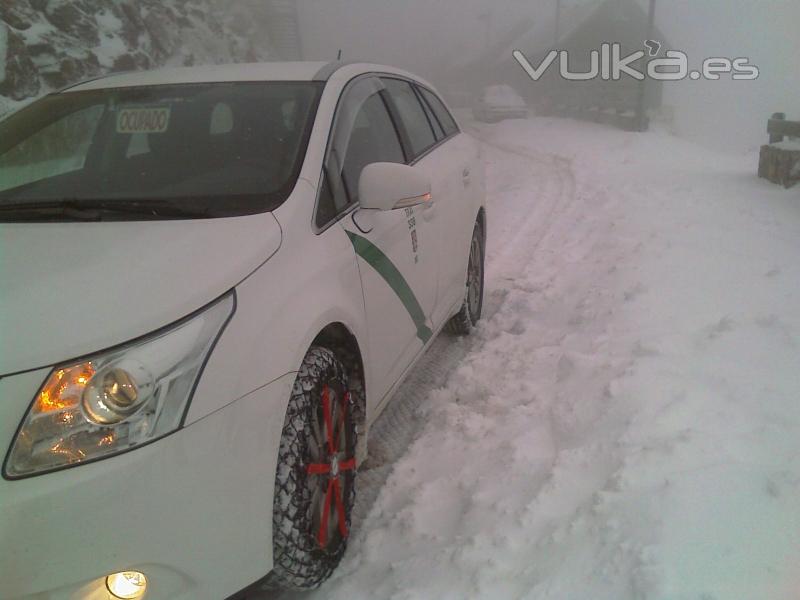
x=499 y=102
x=220 y=276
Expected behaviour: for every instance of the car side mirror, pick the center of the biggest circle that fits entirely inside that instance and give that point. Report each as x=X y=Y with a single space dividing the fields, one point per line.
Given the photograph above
x=391 y=186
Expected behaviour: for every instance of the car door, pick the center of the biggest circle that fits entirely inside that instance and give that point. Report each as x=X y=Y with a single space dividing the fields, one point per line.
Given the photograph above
x=456 y=160
x=396 y=258
x=425 y=137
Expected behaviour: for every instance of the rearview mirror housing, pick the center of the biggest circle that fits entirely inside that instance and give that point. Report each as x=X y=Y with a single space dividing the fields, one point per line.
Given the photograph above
x=392 y=186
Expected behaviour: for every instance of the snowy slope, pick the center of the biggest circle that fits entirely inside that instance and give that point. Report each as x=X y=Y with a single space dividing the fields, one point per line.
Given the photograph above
x=626 y=423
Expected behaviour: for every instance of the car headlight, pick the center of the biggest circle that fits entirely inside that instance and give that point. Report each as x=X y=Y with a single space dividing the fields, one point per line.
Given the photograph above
x=116 y=400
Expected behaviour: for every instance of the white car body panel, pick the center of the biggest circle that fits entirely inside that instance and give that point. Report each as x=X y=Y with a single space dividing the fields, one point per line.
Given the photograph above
x=274 y=71
x=459 y=176
x=393 y=336
x=189 y=525
x=102 y=271
x=201 y=498
x=263 y=329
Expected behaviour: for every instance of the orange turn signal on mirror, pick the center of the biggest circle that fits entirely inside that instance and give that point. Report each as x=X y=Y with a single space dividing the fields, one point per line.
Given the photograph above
x=415 y=201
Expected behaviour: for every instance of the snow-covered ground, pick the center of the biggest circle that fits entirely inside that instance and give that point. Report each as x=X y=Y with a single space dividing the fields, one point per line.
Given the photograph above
x=626 y=422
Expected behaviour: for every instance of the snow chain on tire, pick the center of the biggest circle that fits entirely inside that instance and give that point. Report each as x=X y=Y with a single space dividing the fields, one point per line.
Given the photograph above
x=300 y=563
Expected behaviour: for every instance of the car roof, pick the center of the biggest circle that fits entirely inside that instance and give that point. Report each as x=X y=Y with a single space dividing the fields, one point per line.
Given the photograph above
x=250 y=72
x=274 y=71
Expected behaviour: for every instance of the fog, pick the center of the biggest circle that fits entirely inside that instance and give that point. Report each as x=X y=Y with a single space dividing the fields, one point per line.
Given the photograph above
x=459 y=45
x=437 y=40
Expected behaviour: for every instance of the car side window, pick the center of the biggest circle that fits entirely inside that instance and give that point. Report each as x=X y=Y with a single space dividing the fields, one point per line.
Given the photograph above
x=326 y=207
x=434 y=121
x=364 y=133
x=438 y=107
x=412 y=114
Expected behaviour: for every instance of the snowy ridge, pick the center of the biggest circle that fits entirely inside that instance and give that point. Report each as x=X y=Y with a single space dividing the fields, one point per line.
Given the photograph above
x=625 y=425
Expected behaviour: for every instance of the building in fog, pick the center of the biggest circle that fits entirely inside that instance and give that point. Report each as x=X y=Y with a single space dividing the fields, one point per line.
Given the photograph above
x=612 y=21
x=616 y=21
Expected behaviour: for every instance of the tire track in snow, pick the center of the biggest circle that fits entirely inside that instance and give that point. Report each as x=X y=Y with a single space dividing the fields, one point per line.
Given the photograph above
x=554 y=188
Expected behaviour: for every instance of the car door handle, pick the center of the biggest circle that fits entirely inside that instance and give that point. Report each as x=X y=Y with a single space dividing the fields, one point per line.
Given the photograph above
x=429 y=210
x=466 y=177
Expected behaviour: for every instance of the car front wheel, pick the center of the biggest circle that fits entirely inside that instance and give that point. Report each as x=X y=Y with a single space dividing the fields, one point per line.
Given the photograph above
x=315 y=479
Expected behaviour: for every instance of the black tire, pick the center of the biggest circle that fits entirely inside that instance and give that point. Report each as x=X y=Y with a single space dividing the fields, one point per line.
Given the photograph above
x=472 y=308
x=310 y=484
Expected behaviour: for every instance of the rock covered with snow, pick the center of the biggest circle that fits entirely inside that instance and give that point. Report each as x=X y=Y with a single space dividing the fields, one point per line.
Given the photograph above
x=48 y=44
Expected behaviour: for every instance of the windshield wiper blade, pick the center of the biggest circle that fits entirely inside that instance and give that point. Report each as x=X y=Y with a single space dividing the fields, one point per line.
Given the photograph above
x=48 y=211
x=89 y=210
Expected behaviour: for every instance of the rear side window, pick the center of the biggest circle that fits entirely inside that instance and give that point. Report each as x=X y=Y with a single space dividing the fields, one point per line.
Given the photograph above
x=437 y=127
x=444 y=116
x=412 y=114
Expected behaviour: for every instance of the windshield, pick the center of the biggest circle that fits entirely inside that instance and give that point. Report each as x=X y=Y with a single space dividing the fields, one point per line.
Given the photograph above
x=223 y=149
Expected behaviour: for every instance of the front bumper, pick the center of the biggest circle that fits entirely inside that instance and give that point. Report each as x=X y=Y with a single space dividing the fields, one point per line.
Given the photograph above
x=192 y=511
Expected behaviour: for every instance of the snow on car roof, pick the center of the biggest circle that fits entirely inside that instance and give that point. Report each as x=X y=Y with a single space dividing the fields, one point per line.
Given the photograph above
x=275 y=71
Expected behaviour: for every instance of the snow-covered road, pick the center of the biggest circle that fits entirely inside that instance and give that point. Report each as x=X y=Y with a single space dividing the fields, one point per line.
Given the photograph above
x=626 y=422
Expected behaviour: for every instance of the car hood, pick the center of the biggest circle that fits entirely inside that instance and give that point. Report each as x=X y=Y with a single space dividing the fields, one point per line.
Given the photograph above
x=72 y=289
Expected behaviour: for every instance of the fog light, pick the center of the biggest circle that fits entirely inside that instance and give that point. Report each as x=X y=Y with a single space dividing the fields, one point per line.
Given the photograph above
x=127 y=585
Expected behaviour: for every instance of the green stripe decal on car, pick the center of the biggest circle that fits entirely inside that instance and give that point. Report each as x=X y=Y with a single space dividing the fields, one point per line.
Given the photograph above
x=386 y=269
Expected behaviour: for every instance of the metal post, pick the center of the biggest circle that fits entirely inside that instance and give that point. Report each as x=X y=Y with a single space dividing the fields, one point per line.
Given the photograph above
x=641 y=112
x=775 y=138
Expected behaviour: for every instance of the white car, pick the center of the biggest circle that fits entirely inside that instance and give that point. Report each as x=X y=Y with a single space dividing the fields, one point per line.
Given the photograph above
x=213 y=280
x=499 y=102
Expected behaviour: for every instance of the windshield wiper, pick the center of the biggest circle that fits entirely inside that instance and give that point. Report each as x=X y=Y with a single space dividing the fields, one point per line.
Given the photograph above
x=96 y=211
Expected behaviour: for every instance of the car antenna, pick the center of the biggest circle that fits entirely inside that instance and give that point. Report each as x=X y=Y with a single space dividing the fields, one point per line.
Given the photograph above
x=339 y=57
